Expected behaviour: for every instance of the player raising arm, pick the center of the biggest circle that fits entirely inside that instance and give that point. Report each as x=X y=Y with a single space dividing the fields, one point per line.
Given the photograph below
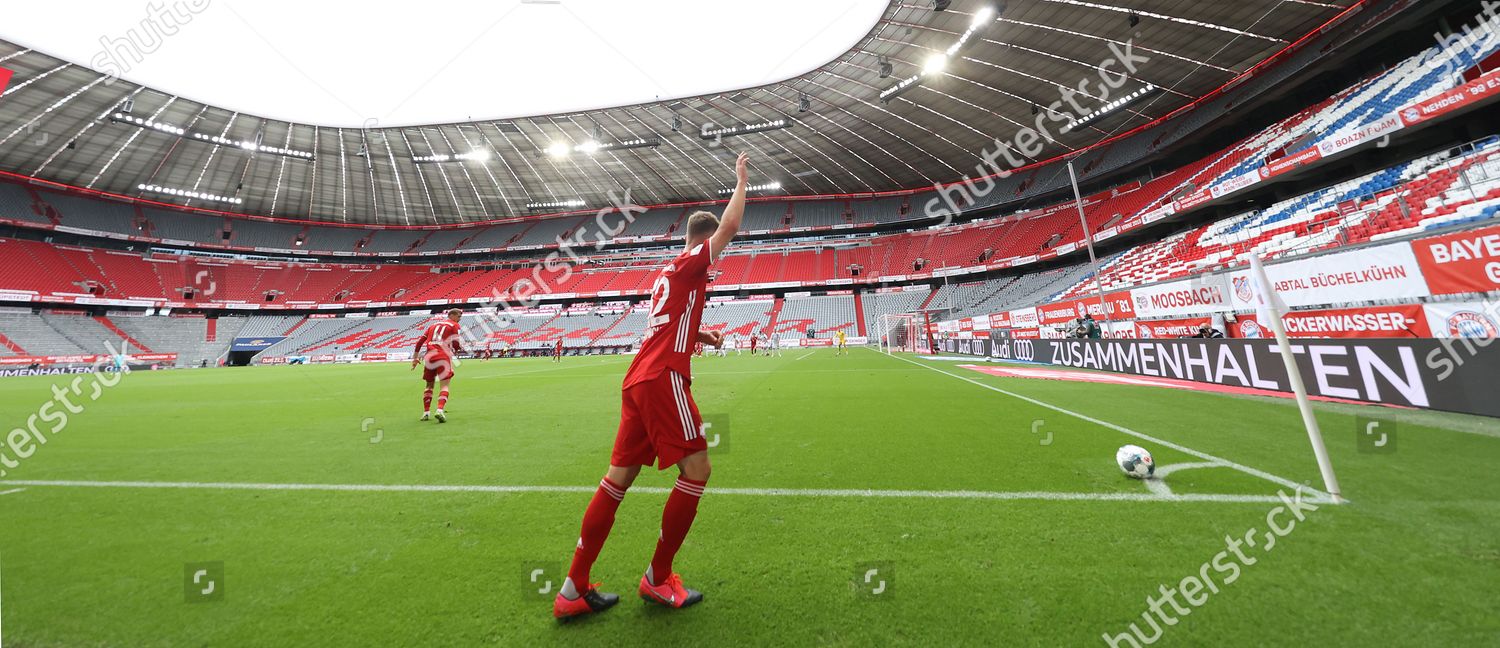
x=658 y=420
x=441 y=340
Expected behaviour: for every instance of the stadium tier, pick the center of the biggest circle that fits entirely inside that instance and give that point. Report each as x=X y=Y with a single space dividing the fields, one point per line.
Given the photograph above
x=1457 y=188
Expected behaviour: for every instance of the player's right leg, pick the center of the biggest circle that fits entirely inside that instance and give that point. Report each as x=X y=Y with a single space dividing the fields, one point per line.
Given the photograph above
x=633 y=449
x=427 y=399
x=578 y=596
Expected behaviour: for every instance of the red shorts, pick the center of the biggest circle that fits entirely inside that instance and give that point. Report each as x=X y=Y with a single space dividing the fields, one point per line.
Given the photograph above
x=437 y=367
x=658 y=421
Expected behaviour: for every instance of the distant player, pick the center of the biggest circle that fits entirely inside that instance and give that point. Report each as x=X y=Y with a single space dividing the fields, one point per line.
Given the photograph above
x=754 y=341
x=734 y=343
x=441 y=341
x=838 y=340
x=775 y=345
x=557 y=351
x=659 y=421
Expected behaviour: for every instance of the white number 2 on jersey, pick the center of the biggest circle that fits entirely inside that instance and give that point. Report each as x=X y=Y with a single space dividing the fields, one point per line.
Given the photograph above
x=660 y=291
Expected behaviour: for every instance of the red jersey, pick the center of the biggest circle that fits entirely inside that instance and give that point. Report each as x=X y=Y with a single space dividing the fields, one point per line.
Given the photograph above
x=677 y=297
x=441 y=340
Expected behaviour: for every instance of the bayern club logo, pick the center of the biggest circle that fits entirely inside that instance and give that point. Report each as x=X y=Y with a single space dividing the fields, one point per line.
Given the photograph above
x=1469 y=324
x=1146 y=332
x=1412 y=114
x=1082 y=309
x=1243 y=289
x=1250 y=329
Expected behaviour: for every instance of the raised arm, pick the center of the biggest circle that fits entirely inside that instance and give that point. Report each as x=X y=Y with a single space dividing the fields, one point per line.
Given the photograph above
x=729 y=224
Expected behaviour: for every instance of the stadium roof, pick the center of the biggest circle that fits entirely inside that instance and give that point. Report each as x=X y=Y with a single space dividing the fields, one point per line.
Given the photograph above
x=67 y=123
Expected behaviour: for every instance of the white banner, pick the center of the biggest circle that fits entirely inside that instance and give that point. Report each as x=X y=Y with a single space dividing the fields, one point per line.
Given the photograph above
x=1348 y=139
x=1195 y=296
x=1464 y=319
x=1024 y=318
x=1384 y=272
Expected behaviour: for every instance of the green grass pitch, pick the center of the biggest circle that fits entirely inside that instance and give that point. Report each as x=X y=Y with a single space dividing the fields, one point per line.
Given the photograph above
x=993 y=520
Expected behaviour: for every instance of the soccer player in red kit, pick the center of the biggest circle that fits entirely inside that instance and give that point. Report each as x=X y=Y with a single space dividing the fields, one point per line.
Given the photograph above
x=557 y=351
x=658 y=420
x=441 y=340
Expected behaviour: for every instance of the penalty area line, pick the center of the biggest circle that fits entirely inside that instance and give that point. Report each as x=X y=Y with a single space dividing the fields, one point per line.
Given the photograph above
x=750 y=492
x=1282 y=481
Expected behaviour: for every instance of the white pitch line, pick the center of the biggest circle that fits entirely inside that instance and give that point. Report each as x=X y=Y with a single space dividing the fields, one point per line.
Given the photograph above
x=1139 y=435
x=804 y=355
x=1157 y=484
x=753 y=492
x=12 y=491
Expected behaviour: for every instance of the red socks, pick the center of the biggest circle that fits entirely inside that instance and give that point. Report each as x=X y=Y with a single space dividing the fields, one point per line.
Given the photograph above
x=443 y=398
x=427 y=400
x=676 y=519
x=597 y=521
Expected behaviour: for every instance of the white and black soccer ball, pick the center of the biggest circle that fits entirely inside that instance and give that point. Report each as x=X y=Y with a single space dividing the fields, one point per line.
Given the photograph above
x=1135 y=461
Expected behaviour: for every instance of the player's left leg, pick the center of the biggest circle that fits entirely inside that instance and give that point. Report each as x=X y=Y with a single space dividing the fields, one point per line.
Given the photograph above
x=660 y=584
x=442 y=401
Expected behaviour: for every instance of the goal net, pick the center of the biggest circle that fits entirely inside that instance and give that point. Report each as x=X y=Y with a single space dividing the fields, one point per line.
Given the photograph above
x=898 y=333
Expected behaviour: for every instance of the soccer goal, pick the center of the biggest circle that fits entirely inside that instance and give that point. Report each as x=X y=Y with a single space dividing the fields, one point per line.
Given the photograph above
x=898 y=332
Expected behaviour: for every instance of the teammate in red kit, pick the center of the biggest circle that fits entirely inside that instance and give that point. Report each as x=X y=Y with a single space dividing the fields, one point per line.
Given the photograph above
x=557 y=351
x=659 y=421
x=441 y=340
x=754 y=342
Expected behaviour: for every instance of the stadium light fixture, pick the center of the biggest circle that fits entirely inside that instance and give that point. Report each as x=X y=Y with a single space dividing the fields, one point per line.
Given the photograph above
x=556 y=204
x=934 y=64
x=1112 y=107
x=170 y=129
x=476 y=155
x=938 y=62
x=710 y=132
x=254 y=146
x=768 y=186
x=900 y=87
x=590 y=147
x=984 y=15
x=190 y=194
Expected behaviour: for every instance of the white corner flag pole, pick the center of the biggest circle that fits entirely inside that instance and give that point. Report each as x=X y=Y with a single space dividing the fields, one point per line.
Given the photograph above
x=1088 y=238
x=1270 y=309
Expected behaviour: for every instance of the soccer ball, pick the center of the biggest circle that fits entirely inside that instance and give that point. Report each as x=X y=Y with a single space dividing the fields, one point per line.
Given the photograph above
x=1135 y=461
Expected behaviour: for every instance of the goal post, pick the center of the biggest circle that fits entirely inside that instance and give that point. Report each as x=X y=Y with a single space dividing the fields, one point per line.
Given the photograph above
x=897 y=332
